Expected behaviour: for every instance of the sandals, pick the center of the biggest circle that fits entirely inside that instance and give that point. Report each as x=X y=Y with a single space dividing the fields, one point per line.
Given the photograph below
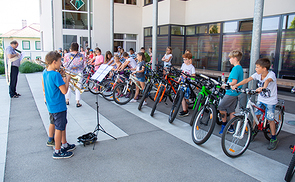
x=18 y=94
x=15 y=96
x=78 y=105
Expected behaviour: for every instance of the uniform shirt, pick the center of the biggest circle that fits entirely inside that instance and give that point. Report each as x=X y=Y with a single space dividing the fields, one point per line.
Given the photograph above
x=270 y=96
x=75 y=63
x=238 y=74
x=55 y=99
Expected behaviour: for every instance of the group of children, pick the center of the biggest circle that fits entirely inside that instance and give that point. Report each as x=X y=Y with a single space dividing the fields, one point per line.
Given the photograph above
x=56 y=85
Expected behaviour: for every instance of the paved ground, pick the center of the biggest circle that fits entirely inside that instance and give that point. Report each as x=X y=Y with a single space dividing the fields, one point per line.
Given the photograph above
x=147 y=149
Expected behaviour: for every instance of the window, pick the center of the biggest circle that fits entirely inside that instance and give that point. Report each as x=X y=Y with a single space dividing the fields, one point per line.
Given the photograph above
x=147 y=2
x=164 y=30
x=126 y=41
x=289 y=22
x=37 y=45
x=229 y=27
x=67 y=40
x=26 y=45
x=214 y=28
x=190 y=30
x=147 y=32
x=75 y=20
x=133 y=2
x=270 y=23
x=177 y=30
x=202 y=29
x=78 y=5
x=245 y=25
x=119 y=1
x=38 y=57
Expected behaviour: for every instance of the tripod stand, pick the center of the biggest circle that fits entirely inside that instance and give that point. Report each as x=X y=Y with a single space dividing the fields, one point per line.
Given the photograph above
x=98 y=126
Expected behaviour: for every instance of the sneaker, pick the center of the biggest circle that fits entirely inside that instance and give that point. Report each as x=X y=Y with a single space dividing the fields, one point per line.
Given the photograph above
x=50 y=144
x=144 y=103
x=231 y=130
x=273 y=144
x=62 y=155
x=222 y=128
x=254 y=133
x=70 y=147
x=127 y=95
x=183 y=113
x=133 y=100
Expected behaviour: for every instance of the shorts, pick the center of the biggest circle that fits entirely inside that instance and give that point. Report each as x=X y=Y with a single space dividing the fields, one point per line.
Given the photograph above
x=60 y=120
x=141 y=79
x=269 y=110
x=228 y=104
x=51 y=118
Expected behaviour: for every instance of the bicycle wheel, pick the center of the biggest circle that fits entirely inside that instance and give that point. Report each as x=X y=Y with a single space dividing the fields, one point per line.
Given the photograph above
x=161 y=90
x=290 y=170
x=175 y=106
x=94 y=87
x=197 y=108
x=172 y=94
x=145 y=94
x=123 y=93
x=153 y=91
x=278 y=119
x=204 y=124
x=235 y=144
x=108 y=92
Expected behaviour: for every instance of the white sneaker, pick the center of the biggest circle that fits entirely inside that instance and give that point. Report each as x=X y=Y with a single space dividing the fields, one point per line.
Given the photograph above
x=133 y=100
x=144 y=103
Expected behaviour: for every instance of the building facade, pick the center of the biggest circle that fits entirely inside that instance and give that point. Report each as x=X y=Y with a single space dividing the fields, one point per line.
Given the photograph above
x=209 y=29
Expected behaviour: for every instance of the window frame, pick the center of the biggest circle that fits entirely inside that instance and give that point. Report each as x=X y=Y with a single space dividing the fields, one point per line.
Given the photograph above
x=23 y=44
x=36 y=44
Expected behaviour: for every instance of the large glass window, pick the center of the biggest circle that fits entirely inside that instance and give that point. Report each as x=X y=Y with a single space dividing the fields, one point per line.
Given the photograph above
x=133 y=2
x=75 y=20
x=177 y=30
x=229 y=27
x=202 y=29
x=245 y=25
x=191 y=30
x=119 y=1
x=205 y=51
x=164 y=30
x=177 y=43
x=126 y=41
x=287 y=54
x=270 y=23
x=78 y=5
x=289 y=22
x=67 y=41
x=147 y=2
x=214 y=28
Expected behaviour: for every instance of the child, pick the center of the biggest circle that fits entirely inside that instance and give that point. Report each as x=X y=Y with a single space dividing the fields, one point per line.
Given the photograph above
x=117 y=63
x=55 y=88
x=229 y=102
x=139 y=75
x=109 y=59
x=266 y=100
x=98 y=59
x=188 y=68
x=167 y=57
x=130 y=62
x=147 y=57
x=131 y=53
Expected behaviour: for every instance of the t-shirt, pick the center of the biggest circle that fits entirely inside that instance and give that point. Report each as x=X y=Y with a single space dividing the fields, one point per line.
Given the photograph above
x=167 y=57
x=138 y=68
x=147 y=57
x=55 y=99
x=133 y=56
x=238 y=74
x=188 y=69
x=75 y=62
x=132 y=63
x=270 y=96
x=10 y=50
x=98 y=59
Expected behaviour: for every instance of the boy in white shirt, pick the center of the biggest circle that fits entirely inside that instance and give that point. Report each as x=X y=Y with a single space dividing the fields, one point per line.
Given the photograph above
x=187 y=68
x=266 y=100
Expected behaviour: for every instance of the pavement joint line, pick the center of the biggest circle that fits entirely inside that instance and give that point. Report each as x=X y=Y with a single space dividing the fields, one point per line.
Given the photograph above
x=79 y=123
x=182 y=130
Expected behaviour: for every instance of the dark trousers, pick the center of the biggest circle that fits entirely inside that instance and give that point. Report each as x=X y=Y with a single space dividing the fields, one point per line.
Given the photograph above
x=13 y=80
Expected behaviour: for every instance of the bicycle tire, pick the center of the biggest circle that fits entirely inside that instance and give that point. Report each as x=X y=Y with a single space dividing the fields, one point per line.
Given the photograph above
x=172 y=94
x=204 y=124
x=233 y=146
x=122 y=95
x=157 y=100
x=290 y=170
x=279 y=119
x=145 y=94
x=153 y=91
x=108 y=93
x=198 y=106
x=94 y=87
x=175 y=106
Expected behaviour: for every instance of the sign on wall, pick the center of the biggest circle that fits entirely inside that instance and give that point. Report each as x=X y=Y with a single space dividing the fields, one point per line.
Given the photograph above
x=77 y=4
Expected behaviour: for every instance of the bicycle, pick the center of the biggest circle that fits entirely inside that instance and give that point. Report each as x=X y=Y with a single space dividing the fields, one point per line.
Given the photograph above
x=291 y=167
x=124 y=92
x=167 y=88
x=185 y=89
x=235 y=144
x=206 y=117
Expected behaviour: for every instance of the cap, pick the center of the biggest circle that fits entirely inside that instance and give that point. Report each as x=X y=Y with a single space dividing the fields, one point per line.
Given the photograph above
x=119 y=47
x=60 y=48
x=90 y=50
